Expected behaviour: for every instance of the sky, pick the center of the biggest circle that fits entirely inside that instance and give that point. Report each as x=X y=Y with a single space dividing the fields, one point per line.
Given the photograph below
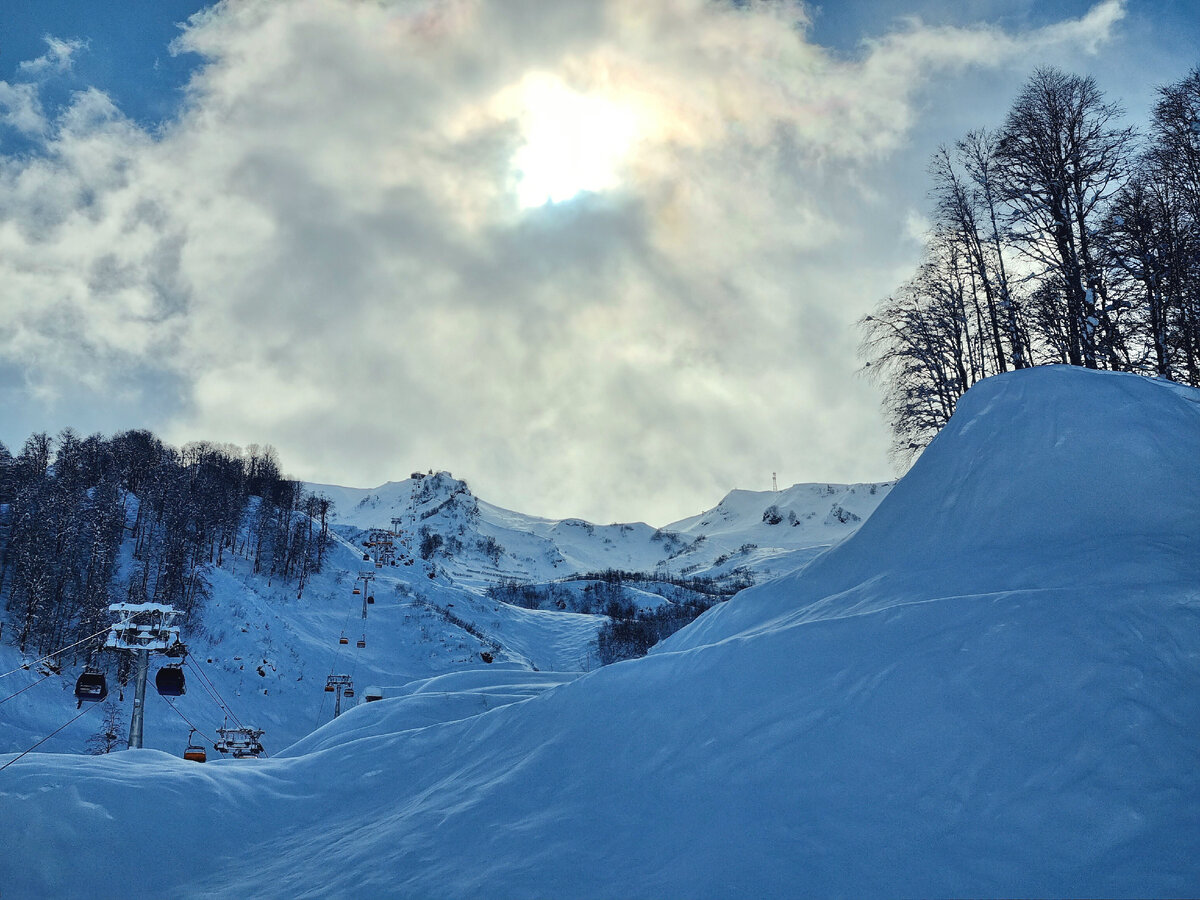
x=600 y=258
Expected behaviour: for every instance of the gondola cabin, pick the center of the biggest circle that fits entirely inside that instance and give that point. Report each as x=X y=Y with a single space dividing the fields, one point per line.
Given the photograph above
x=366 y=557
x=91 y=687
x=169 y=682
x=370 y=598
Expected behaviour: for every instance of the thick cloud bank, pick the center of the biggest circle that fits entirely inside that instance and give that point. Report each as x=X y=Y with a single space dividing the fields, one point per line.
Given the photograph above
x=600 y=258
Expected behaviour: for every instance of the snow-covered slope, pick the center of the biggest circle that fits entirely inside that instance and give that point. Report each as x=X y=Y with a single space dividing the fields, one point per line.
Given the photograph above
x=769 y=532
x=1054 y=479
x=990 y=689
x=267 y=651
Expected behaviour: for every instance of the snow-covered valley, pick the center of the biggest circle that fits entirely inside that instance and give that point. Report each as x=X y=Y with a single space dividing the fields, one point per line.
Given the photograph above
x=983 y=681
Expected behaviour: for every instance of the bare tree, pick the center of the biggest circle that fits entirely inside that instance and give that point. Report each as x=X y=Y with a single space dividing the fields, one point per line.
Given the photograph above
x=111 y=735
x=1060 y=157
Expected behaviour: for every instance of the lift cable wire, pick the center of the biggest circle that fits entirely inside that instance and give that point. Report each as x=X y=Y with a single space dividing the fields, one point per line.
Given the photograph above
x=55 y=653
x=212 y=696
x=27 y=687
x=87 y=709
x=216 y=696
x=192 y=724
x=220 y=700
x=212 y=692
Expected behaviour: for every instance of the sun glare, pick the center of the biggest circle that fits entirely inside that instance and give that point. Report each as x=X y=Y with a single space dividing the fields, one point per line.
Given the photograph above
x=573 y=143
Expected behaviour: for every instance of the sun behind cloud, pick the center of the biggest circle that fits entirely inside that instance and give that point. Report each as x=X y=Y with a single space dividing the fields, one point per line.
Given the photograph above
x=573 y=142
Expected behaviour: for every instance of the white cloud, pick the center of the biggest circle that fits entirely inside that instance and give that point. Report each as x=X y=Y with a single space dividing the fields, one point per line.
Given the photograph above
x=21 y=108
x=329 y=251
x=58 y=58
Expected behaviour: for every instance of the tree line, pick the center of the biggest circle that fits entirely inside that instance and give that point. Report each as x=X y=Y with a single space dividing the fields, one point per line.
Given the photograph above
x=630 y=631
x=85 y=522
x=1062 y=237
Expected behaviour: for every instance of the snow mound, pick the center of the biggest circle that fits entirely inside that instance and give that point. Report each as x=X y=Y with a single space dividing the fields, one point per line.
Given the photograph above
x=989 y=690
x=1047 y=478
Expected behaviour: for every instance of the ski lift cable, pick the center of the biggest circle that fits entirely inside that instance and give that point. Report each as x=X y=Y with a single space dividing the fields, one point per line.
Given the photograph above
x=214 y=698
x=27 y=687
x=189 y=721
x=210 y=689
x=338 y=652
x=320 y=712
x=213 y=693
x=55 y=653
x=87 y=709
x=221 y=700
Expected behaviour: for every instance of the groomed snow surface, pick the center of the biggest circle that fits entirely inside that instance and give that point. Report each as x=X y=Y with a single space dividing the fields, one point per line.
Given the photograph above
x=991 y=689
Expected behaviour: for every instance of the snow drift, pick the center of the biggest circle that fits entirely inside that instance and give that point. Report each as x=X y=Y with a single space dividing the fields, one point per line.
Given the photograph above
x=990 y=689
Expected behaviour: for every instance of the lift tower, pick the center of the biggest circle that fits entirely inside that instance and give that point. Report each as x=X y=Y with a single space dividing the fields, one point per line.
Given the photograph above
x=343 y=685
x=142 y=629
x=366 y=577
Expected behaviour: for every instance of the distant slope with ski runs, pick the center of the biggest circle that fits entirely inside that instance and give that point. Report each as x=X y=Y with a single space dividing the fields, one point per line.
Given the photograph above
x=991 y=688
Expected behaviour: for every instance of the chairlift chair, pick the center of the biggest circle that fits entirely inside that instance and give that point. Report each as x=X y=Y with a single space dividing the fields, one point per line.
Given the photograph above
x=329 y=688
x=91 y=686
x=362 y=642
x=356 y=592
x=195 y=752
x=348 y=692
x=366 y=557
x=169 y=681
x=343 y=640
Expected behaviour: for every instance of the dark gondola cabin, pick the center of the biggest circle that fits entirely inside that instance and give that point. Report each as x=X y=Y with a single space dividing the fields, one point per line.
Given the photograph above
x=169 y=681
x=91 y=687
x=370 y=598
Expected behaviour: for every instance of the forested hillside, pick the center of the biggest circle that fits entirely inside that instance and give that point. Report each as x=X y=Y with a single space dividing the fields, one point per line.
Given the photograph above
x=85 y=522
